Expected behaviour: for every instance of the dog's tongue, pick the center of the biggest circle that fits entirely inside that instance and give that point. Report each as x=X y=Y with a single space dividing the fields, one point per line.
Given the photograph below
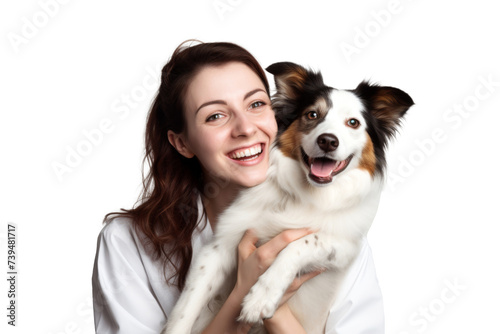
x=322 y=167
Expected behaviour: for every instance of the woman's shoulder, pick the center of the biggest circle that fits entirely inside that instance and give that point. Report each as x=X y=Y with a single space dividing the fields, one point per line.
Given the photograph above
x=119 y=233
x=121 y=252
x=118 y=227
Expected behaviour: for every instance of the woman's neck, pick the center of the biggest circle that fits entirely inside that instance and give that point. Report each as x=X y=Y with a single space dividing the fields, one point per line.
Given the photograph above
x=217 y=201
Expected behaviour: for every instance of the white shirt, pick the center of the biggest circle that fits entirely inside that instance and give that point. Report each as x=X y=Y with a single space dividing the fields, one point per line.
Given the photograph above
x=131 y=295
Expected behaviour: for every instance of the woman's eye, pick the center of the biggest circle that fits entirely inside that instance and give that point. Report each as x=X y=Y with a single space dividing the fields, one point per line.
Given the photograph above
x=312 y=115
x=353 y=123
x=214 y=117
x=256 y=104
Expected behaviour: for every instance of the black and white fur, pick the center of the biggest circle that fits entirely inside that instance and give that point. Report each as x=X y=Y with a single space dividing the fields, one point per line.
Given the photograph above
x=345 y=131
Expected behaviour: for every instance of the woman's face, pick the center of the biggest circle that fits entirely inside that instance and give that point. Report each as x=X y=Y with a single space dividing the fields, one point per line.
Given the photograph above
x=230 y=125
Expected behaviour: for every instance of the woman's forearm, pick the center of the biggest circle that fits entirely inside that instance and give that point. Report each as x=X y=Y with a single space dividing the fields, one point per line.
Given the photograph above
x=251 y=264
x=284 y=322
x=225 y=320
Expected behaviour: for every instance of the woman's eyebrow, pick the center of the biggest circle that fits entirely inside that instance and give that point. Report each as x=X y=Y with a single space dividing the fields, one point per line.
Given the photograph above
x=247 y=95
x=209 y=103
x=250 y=93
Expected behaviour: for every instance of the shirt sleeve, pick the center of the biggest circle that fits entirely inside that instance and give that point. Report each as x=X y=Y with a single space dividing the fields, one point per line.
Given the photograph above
x=123 y=299
x=359 y=308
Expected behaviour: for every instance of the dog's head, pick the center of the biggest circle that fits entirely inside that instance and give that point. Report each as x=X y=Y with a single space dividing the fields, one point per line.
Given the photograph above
x=330 y=131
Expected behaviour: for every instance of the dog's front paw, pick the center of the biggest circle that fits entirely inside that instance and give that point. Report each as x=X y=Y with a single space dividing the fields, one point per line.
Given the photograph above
x=259 y=304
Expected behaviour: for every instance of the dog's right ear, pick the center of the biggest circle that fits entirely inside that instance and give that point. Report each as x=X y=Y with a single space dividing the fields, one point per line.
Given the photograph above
x=387 y=104
x=289 y=78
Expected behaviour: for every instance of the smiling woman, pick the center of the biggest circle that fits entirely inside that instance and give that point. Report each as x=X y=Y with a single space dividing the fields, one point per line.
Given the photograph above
x=210 y=126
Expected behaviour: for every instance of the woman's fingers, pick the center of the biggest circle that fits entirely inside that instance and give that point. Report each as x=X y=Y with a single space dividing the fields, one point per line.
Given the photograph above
x=253 y=260
x=247 y=244
x=270 y=250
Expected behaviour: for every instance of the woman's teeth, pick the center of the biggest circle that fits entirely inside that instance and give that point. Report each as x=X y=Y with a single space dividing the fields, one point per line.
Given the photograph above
x=249 y=152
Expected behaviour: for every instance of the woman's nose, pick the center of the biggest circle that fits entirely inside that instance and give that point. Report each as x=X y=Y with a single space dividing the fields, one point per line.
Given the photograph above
x=243 y=125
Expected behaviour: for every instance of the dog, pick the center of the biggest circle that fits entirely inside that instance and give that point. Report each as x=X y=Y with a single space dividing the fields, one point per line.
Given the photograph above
x=326 y=173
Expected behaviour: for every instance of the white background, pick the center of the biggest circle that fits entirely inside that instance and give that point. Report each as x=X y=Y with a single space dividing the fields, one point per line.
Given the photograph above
x=67 y=68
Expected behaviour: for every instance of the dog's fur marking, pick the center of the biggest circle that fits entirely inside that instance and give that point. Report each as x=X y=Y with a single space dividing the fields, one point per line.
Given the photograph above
x=368 y=160
x=292 y=82
x=288 y=141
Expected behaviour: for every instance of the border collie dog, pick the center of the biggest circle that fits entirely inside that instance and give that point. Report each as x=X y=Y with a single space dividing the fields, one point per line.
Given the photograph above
x=326 y=171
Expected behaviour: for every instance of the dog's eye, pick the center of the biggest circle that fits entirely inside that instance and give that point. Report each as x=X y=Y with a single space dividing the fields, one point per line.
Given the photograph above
x=312 y=114
x=353 y=123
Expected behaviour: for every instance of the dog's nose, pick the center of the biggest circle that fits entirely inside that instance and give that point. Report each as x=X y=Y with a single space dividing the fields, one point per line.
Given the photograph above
x=328 y=142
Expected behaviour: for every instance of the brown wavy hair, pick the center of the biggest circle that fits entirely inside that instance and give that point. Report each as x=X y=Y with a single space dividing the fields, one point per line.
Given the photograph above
x=166 y=213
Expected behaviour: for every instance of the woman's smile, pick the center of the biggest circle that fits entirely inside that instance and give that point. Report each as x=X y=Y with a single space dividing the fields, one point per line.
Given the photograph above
x=248 y=154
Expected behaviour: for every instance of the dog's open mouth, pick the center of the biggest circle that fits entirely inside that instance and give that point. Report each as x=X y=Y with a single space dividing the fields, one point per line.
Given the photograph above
x=323 y=169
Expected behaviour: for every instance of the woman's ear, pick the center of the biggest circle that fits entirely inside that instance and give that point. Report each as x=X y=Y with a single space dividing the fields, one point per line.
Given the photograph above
x=179 y=143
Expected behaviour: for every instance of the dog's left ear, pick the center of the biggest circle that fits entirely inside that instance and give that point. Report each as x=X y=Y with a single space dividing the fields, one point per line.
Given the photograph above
x=387 y=104
x=289 y=78
x=291 y=81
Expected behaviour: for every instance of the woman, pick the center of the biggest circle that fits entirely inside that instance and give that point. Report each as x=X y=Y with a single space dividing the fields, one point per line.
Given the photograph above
x=208 y=136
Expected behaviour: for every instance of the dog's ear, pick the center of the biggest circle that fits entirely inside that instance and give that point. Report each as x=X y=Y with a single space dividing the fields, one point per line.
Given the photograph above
x=293 y=83
x=289 y=78
x=387 y=105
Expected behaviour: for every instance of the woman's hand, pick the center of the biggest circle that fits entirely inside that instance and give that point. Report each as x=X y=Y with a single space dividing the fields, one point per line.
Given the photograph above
x=253 y=261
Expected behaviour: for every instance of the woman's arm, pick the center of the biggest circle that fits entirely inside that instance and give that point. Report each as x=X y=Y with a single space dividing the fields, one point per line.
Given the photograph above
x=225 y=320
x=252 y=262
x=359 y=308
x=284 y=322
x=126 y=301
x=123 y=300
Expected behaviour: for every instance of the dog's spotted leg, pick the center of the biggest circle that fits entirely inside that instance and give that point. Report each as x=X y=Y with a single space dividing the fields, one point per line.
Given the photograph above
x=205 y=278
x=309 y=253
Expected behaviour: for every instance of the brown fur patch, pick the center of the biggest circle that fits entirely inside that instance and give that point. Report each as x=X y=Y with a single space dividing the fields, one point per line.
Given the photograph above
x=299 y=76
x=289 y=141
x=368 y=160
x=291 y=83
x=387 y=107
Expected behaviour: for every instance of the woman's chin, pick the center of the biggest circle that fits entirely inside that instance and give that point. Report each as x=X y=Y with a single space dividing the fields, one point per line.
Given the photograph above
x=252 y=180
